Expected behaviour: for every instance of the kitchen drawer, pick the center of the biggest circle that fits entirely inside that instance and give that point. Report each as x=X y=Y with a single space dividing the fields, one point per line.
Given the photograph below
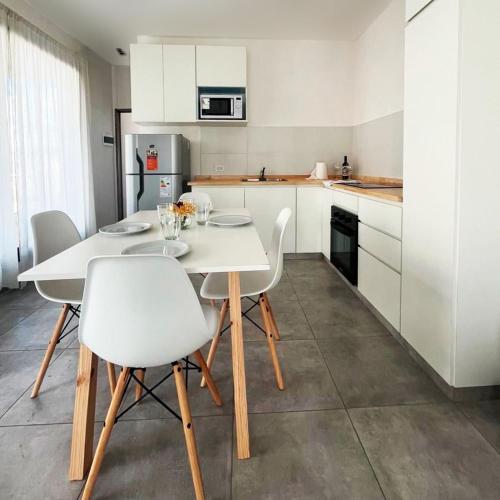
x=384 y=247
x=381 y=286
x=381 y=216
x=346 y=201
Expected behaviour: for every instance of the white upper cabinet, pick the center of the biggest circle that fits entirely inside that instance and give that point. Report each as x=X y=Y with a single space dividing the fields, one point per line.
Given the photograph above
x=179 y=70
x=218 y=66
x=146 y=83
x=414 y=7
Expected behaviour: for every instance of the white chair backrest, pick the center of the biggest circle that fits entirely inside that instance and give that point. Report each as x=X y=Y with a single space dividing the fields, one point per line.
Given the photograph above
x=275 y=253
x=53 y=232
x=140 y=311
x=197 y=197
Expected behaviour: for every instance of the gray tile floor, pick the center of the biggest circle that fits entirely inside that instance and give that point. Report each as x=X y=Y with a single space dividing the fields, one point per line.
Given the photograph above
x=358 y=418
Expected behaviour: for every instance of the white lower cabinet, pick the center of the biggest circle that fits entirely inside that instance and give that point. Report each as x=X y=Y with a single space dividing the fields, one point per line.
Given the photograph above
x=265 y=203
x=326 y=215
x=224 y=197
x=346 y=201
x=381 y=286
x=309 y=219
x=384 y=247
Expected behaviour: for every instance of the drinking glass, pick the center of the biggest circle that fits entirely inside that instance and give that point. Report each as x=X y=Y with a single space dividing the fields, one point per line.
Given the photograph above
x=202 y=210
x=164 y=208
x=170 y=225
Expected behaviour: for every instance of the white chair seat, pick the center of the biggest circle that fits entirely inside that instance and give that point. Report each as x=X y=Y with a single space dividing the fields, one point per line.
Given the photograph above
x=62 y=291
x=215 y=285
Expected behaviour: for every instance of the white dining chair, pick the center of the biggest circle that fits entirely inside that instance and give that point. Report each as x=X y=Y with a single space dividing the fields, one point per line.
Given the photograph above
x=54 y=232
x=197 y=197
x=154 y=319
x=215 y=287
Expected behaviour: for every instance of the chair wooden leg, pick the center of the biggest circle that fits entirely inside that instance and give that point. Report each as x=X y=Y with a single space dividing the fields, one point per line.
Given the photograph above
x=111 y=377
x=50 y=350
x=271 y=344
x=208 y=378
x=138 y=389
x=187 y=425
x=215 y=341
x=105 y=434
x=272 y=318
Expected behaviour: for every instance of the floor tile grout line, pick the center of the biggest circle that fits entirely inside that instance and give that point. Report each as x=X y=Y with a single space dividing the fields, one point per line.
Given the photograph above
x=29 y=387
x=33 y=311
x=227 y=415
x=459 y=409
x=366 y=454
x=346 y=410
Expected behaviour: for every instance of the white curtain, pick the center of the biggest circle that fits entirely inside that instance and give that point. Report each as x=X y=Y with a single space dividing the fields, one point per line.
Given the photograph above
x=49 y=138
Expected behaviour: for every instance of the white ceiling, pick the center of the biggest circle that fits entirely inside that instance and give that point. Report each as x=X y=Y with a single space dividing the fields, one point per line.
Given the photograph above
x=104 y=25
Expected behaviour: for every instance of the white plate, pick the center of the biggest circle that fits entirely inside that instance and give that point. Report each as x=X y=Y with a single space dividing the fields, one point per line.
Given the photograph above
x=172 y=248
x=125 y=228
x=230 y=220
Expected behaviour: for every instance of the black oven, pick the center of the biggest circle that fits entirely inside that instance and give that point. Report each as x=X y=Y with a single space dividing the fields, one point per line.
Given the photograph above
x=344 y=243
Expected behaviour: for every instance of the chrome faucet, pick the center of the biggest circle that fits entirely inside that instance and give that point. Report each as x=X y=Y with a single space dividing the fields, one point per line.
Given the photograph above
x=261 y=176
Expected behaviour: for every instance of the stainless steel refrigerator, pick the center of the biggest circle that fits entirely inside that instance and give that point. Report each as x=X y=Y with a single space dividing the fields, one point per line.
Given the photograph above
x=157 y=170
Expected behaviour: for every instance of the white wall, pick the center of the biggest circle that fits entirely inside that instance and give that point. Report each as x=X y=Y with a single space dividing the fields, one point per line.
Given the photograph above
x=101 y=122
x=377 y=113
x=379 y=66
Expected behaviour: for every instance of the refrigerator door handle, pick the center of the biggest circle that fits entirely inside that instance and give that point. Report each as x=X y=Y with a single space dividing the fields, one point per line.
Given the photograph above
x=141 y=175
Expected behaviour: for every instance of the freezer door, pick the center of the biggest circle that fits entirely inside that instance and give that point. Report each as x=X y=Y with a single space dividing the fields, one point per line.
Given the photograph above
x=156 y=189
x=169 y=149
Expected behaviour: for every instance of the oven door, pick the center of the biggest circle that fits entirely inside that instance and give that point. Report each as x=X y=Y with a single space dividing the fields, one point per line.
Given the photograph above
x=216 y=107
x=344 y=250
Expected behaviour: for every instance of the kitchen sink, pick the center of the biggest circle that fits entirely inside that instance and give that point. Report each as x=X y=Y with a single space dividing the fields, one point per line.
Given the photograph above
x=257 y=179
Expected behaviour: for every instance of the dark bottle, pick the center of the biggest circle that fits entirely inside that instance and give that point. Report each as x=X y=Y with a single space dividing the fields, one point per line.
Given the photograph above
x=345 y=169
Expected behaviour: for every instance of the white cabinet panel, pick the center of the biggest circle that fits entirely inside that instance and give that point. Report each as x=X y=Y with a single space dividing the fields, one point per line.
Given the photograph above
x=218 y=66
x=430 y=152
x=384 y=247
x=415 y=6
x=346 y=201
x=179 y=70
x=326 y=213
x=265 y=203
x=309 y=223
x=381 y=286
x=224 y=197
x=146 y=82
x=381 y=216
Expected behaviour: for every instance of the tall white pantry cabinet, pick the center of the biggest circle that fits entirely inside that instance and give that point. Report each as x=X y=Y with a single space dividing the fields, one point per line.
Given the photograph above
x=451 y=218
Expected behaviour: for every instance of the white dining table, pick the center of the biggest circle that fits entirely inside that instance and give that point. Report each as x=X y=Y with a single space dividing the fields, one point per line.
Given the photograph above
x=212 y=249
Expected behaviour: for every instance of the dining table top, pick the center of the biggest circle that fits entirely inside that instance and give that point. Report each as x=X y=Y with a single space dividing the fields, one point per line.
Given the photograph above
x=212 y=249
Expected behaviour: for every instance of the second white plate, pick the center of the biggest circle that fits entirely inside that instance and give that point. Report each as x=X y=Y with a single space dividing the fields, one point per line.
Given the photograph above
x=125 y=228
x=171 y=248
x=230 y=220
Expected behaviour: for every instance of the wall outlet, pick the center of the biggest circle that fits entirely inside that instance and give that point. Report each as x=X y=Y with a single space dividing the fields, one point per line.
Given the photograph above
x=219 y=168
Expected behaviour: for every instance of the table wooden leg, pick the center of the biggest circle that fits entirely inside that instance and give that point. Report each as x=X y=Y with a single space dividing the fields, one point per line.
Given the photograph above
x=240 y=391
x=84 y=414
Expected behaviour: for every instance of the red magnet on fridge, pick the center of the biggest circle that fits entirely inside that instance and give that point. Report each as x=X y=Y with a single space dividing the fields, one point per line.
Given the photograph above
x=151 y=158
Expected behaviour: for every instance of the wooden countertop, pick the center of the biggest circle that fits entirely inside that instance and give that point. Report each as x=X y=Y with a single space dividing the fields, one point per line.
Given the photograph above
x=390 y=194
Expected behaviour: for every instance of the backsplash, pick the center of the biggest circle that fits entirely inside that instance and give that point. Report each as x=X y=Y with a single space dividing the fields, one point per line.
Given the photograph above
x=377 y=147
x=229 y=150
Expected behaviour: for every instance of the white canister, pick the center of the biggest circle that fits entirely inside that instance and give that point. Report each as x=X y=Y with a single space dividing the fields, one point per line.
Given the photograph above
x=320 y=170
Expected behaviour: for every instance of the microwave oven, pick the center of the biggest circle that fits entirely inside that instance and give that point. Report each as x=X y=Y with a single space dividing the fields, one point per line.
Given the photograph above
x=222 y=106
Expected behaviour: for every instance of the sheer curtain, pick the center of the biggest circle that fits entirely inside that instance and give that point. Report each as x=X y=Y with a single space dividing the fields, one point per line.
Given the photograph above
x=49 y=144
